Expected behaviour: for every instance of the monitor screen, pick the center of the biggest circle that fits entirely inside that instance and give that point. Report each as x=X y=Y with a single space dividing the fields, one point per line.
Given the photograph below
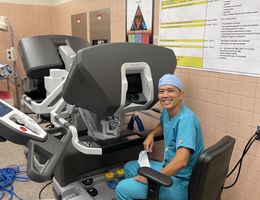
x=134 y=83
x=4 y=109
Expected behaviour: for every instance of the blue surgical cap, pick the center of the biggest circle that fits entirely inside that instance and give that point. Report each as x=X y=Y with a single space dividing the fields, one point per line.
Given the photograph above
x=170 y=79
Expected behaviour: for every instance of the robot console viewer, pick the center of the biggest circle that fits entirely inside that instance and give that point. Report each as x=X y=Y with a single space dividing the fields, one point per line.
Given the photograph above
x=47 y=60
x=105 y=83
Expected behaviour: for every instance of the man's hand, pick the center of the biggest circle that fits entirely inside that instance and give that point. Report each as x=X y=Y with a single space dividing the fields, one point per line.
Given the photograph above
x=141 y=179
x=148 y=143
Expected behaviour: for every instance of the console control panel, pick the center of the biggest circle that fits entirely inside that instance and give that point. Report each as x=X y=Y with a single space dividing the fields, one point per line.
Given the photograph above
x=17 y=127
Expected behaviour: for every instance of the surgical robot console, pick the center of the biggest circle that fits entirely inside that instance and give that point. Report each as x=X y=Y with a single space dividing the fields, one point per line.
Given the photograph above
x=107 y=82
x=104 y=84
x=47 y=60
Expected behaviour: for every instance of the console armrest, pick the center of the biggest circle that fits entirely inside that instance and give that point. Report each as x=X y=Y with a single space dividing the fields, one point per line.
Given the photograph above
x=155 y=176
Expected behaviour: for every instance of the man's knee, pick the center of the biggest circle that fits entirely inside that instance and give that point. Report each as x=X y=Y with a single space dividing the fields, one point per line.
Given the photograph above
x=130 y=189
x=131 y=165
x=131 y=169
x=121 y=190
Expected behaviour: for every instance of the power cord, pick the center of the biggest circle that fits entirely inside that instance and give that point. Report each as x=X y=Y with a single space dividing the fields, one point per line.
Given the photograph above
x=256 y=136
x=8 y=176
x=40 y=193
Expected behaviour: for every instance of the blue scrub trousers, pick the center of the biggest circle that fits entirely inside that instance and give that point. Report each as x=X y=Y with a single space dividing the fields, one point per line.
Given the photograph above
x=129 y=189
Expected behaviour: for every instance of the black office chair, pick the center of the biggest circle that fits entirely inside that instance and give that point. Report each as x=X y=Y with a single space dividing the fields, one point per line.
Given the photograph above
x=208 y=175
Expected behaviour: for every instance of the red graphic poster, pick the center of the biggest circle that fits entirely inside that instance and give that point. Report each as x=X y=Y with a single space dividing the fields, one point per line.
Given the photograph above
x=139 y=21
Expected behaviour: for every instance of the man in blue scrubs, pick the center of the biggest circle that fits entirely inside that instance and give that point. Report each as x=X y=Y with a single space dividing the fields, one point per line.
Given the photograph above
x=183 y=144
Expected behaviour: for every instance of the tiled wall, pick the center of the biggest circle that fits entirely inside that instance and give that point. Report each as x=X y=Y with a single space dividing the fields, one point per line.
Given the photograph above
x=225 y=103
x=228 y=104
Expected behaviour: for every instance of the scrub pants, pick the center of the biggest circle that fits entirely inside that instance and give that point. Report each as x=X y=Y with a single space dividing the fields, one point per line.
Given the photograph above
x=129 y=189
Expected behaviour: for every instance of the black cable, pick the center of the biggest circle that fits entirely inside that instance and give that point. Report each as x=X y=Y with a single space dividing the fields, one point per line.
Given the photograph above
x=29 y=113
x=240 y=161
x=43 y=189
x=243 y=154
x=50 y=125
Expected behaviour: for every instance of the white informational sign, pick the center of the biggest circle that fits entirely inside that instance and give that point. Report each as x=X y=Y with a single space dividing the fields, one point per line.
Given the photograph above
x=220 y=35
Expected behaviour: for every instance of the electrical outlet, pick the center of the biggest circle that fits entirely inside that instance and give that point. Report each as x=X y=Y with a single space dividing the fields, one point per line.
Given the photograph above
x=11 y=54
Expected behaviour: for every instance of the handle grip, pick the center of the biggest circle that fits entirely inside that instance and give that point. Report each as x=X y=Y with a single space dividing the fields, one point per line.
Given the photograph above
x=44 y=156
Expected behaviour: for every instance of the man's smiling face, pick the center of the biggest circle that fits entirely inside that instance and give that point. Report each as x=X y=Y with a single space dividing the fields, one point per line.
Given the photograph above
x=170 y=97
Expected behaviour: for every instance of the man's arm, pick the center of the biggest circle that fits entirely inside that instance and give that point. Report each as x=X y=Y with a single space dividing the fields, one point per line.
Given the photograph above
x=179 y=161
x=157 y=131
x=149 y=141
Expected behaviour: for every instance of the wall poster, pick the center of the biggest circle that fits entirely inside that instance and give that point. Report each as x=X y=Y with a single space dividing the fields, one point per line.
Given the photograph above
x=139 y=21
x=222 y=35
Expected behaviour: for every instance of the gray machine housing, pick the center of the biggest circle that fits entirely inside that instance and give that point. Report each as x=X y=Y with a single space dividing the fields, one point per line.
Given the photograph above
x=39 y=54
x=94 y=82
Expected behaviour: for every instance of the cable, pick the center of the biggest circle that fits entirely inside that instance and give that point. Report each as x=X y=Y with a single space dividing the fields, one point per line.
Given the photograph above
x=240 y=161
x=246 y=148
x=40 y=193
x=8 y=176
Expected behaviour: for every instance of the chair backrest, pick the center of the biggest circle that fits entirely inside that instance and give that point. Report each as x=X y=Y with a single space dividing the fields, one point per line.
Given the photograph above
x=210 y=171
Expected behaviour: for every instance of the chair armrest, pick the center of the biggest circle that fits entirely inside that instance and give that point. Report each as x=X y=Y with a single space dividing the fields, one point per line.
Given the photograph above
x=155 y=176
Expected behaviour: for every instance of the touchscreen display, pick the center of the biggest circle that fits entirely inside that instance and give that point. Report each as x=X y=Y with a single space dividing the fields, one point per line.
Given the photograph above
x=4 y=109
